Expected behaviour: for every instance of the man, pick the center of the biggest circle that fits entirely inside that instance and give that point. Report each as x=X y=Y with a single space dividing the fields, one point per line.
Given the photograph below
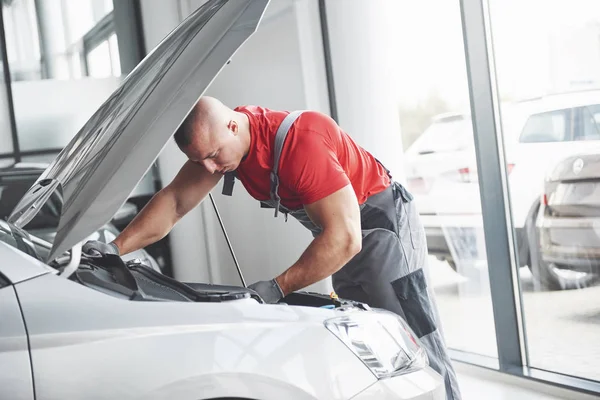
x=367 y=233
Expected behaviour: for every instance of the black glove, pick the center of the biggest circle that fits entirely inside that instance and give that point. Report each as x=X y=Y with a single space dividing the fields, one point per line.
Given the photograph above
x=269 y=291
x=94 y=248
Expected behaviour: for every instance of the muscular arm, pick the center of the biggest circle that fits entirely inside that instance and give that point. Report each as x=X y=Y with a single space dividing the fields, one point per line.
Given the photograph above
x=191 y=185
x=339 y=216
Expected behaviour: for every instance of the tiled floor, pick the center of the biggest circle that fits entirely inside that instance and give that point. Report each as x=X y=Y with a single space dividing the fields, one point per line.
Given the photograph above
x=478 y=384
x=562 y=327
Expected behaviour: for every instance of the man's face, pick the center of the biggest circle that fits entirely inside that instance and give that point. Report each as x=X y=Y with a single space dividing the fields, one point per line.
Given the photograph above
x=218 y=151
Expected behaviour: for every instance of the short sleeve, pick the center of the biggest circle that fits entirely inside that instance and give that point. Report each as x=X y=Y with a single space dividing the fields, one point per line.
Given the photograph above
x=309 y=165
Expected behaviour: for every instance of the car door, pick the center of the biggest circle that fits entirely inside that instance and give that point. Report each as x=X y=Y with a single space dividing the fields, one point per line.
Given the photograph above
x=16 y=381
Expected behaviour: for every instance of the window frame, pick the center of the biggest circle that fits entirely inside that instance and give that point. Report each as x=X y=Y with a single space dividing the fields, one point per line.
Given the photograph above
x=496 y=211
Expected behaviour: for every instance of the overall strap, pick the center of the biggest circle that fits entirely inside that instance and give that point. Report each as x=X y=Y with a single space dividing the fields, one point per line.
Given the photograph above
x=282 y=132
x=229 y=181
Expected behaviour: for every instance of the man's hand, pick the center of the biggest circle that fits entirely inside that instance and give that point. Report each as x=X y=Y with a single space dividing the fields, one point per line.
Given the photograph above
x=94 y=248
x=269 y=291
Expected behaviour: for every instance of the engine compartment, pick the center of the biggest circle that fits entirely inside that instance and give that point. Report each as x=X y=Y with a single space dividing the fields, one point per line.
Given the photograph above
x=135 y=281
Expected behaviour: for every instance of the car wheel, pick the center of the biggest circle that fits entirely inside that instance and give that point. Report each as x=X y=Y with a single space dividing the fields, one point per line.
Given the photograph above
x=551 y=276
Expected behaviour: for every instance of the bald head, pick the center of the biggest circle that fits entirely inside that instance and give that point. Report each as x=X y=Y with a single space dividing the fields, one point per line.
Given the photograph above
x=214 y=136
x=208 y=117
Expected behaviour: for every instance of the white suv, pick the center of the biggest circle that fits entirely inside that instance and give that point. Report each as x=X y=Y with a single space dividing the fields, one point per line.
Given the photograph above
x=442 y=170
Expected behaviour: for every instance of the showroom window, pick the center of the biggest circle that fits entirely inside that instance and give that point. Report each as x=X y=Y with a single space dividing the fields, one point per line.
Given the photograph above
x=527 y=100
x=441 y=170
x=544 y=263
x=65 y=59
x=47 y=39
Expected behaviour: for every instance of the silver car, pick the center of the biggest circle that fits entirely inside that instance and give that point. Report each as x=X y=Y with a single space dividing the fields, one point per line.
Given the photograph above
x=568 y=248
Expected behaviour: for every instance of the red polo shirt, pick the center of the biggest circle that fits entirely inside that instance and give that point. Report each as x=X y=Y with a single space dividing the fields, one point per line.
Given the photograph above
x=318 y=159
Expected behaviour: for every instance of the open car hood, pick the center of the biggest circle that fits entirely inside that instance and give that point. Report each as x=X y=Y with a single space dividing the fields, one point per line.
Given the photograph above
x=100 y=167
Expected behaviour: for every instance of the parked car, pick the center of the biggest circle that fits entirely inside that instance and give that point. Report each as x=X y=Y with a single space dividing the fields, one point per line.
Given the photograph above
x=537 y=133
x=17 y=178
x=75 y=326
x=568 y=224
x=440 y=153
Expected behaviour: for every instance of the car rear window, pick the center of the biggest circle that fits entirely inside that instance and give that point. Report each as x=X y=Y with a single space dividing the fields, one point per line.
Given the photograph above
x=553 y=126
x=589 y=122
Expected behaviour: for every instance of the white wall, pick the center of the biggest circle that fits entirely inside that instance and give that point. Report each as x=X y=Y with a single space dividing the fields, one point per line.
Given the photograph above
x=365 y=56
x=282 y=66
x=50 y=112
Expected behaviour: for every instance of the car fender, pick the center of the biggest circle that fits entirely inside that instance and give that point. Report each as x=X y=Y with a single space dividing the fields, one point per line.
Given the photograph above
x=18 y=267
x=227 y=386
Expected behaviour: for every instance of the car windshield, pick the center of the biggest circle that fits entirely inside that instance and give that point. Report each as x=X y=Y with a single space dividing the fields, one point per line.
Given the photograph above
x=445 y=135
x=17 y=238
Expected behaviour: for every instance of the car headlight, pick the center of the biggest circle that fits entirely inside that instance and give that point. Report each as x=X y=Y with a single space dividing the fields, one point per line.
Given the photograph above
x=382 y=340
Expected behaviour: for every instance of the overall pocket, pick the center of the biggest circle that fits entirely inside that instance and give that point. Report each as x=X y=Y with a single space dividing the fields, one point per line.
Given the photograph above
x=411 y=291
x=410 y=228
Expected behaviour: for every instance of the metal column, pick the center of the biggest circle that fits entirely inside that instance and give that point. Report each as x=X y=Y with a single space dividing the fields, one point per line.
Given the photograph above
x=7 y=82
x=127 y=22
x=491 y=166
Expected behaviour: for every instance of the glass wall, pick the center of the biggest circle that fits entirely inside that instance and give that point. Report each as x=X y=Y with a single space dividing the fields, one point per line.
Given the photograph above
x=437 y=135
x=64 y=62
x=50 y=39
x=547 y=57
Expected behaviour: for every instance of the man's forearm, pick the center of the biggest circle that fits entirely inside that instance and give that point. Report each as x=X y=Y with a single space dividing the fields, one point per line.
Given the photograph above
x=152 y=224
x=326 y=254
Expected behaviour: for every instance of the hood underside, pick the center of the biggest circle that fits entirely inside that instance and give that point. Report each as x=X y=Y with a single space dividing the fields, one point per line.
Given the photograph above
x=100 y=167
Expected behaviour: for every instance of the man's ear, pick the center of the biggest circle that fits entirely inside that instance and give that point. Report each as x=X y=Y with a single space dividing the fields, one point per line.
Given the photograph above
x=233 y=126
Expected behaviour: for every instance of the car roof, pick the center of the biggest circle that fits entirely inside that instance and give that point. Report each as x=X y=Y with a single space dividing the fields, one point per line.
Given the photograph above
x=544 y=103
x=559 y=101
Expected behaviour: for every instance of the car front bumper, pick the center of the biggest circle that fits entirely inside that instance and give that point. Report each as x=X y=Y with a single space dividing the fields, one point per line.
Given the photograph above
x=425 y=384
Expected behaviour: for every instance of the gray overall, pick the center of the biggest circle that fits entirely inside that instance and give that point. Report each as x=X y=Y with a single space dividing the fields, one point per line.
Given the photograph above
x=391 y=271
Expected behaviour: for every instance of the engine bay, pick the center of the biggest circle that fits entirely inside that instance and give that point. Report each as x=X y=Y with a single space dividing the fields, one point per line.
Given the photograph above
x=133 y=280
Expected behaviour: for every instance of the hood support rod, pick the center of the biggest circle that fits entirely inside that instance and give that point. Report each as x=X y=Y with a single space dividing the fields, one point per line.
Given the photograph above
x=237 y=265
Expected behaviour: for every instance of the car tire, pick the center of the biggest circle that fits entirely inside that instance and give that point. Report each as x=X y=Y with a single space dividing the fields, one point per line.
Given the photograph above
x=544 y=273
